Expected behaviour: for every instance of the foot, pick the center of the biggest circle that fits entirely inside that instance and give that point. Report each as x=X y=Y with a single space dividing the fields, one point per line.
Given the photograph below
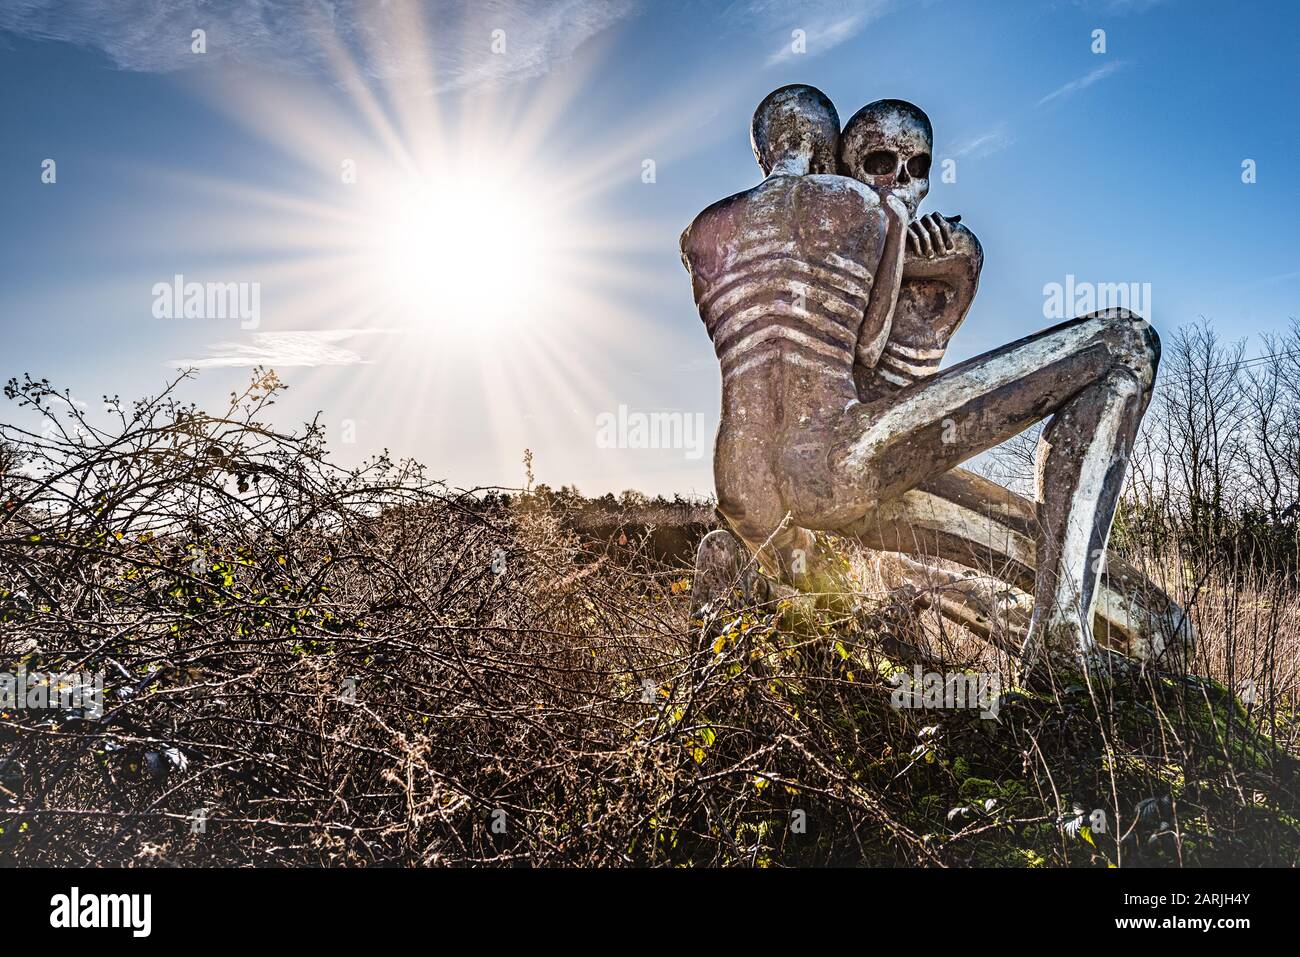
x=719 y=568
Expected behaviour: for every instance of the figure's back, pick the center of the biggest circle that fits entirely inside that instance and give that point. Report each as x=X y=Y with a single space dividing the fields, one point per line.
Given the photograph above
x=782 y=275
x=786 y=266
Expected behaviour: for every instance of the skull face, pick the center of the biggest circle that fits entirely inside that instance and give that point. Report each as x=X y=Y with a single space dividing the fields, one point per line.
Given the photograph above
x=888 y=145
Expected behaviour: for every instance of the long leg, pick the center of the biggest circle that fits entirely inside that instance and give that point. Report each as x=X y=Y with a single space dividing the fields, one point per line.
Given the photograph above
x=962 y=517
x=1093 y=375
x=981 y=604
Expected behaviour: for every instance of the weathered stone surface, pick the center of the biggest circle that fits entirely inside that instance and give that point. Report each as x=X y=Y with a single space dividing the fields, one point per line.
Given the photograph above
x=830 y=305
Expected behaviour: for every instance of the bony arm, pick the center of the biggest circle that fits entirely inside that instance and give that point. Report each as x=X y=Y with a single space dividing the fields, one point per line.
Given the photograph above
x=940 y=247
x=938 y=285
x=879 y=313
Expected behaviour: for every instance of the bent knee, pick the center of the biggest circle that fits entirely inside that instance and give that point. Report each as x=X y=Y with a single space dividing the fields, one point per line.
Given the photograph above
x=1131 y=341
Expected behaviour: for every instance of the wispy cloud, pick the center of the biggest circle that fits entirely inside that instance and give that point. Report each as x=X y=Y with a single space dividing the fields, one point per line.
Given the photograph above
x=825 y=23
x=982 y=145
x=155 y=37
x=281 y=350
x=1271 y=280
x=1085 y=81
x=1120 y=6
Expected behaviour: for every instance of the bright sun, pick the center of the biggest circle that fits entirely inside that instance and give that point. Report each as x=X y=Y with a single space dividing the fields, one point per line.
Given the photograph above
x=462 y=254
x=443 y=234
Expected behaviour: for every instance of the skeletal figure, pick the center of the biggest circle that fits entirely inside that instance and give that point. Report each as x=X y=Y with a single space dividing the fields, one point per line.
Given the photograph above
x=887 y=146
x=960 y=516
x=798 y=282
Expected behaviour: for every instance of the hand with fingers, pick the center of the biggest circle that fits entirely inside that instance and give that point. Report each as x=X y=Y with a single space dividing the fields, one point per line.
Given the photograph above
x=931 y=235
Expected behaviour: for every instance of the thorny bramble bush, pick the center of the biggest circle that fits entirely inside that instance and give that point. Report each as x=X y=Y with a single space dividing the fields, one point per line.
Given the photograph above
x=310 y=665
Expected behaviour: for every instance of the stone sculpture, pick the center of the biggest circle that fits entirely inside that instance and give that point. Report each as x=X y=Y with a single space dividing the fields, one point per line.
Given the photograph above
x=830 y=304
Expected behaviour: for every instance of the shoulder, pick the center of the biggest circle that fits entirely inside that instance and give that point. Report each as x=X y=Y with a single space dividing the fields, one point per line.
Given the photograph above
x=710 y=218
x=845 y=186
x=843 y=196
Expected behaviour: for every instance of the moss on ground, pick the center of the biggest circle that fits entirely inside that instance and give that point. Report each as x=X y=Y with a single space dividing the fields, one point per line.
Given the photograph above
x=1147 y=770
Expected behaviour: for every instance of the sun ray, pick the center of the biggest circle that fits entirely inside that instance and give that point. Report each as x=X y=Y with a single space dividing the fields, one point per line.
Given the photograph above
x=470 y=261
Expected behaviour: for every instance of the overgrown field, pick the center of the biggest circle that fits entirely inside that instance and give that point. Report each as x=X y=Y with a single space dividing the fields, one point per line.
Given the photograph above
x=304 y=666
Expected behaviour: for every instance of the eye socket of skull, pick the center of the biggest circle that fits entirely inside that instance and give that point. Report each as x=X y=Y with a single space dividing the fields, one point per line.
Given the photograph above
x=919 y=166
x=880 y=163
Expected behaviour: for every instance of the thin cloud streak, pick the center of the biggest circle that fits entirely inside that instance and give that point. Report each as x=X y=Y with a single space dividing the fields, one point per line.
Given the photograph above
x=985 y=144
x=281 y=350
x=152 y=37
x=826 y=25
x=1121 y=7
x=1083 y=82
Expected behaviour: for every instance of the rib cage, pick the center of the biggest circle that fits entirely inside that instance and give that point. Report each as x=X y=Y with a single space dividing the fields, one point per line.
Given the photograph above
x=771 y=296
x=903 y=365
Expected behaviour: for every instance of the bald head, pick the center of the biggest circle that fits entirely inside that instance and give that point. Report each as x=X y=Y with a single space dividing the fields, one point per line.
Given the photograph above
x=797 y=129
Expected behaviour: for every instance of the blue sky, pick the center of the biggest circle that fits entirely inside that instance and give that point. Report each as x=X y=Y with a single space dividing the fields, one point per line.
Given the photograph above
x=1122 y=166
